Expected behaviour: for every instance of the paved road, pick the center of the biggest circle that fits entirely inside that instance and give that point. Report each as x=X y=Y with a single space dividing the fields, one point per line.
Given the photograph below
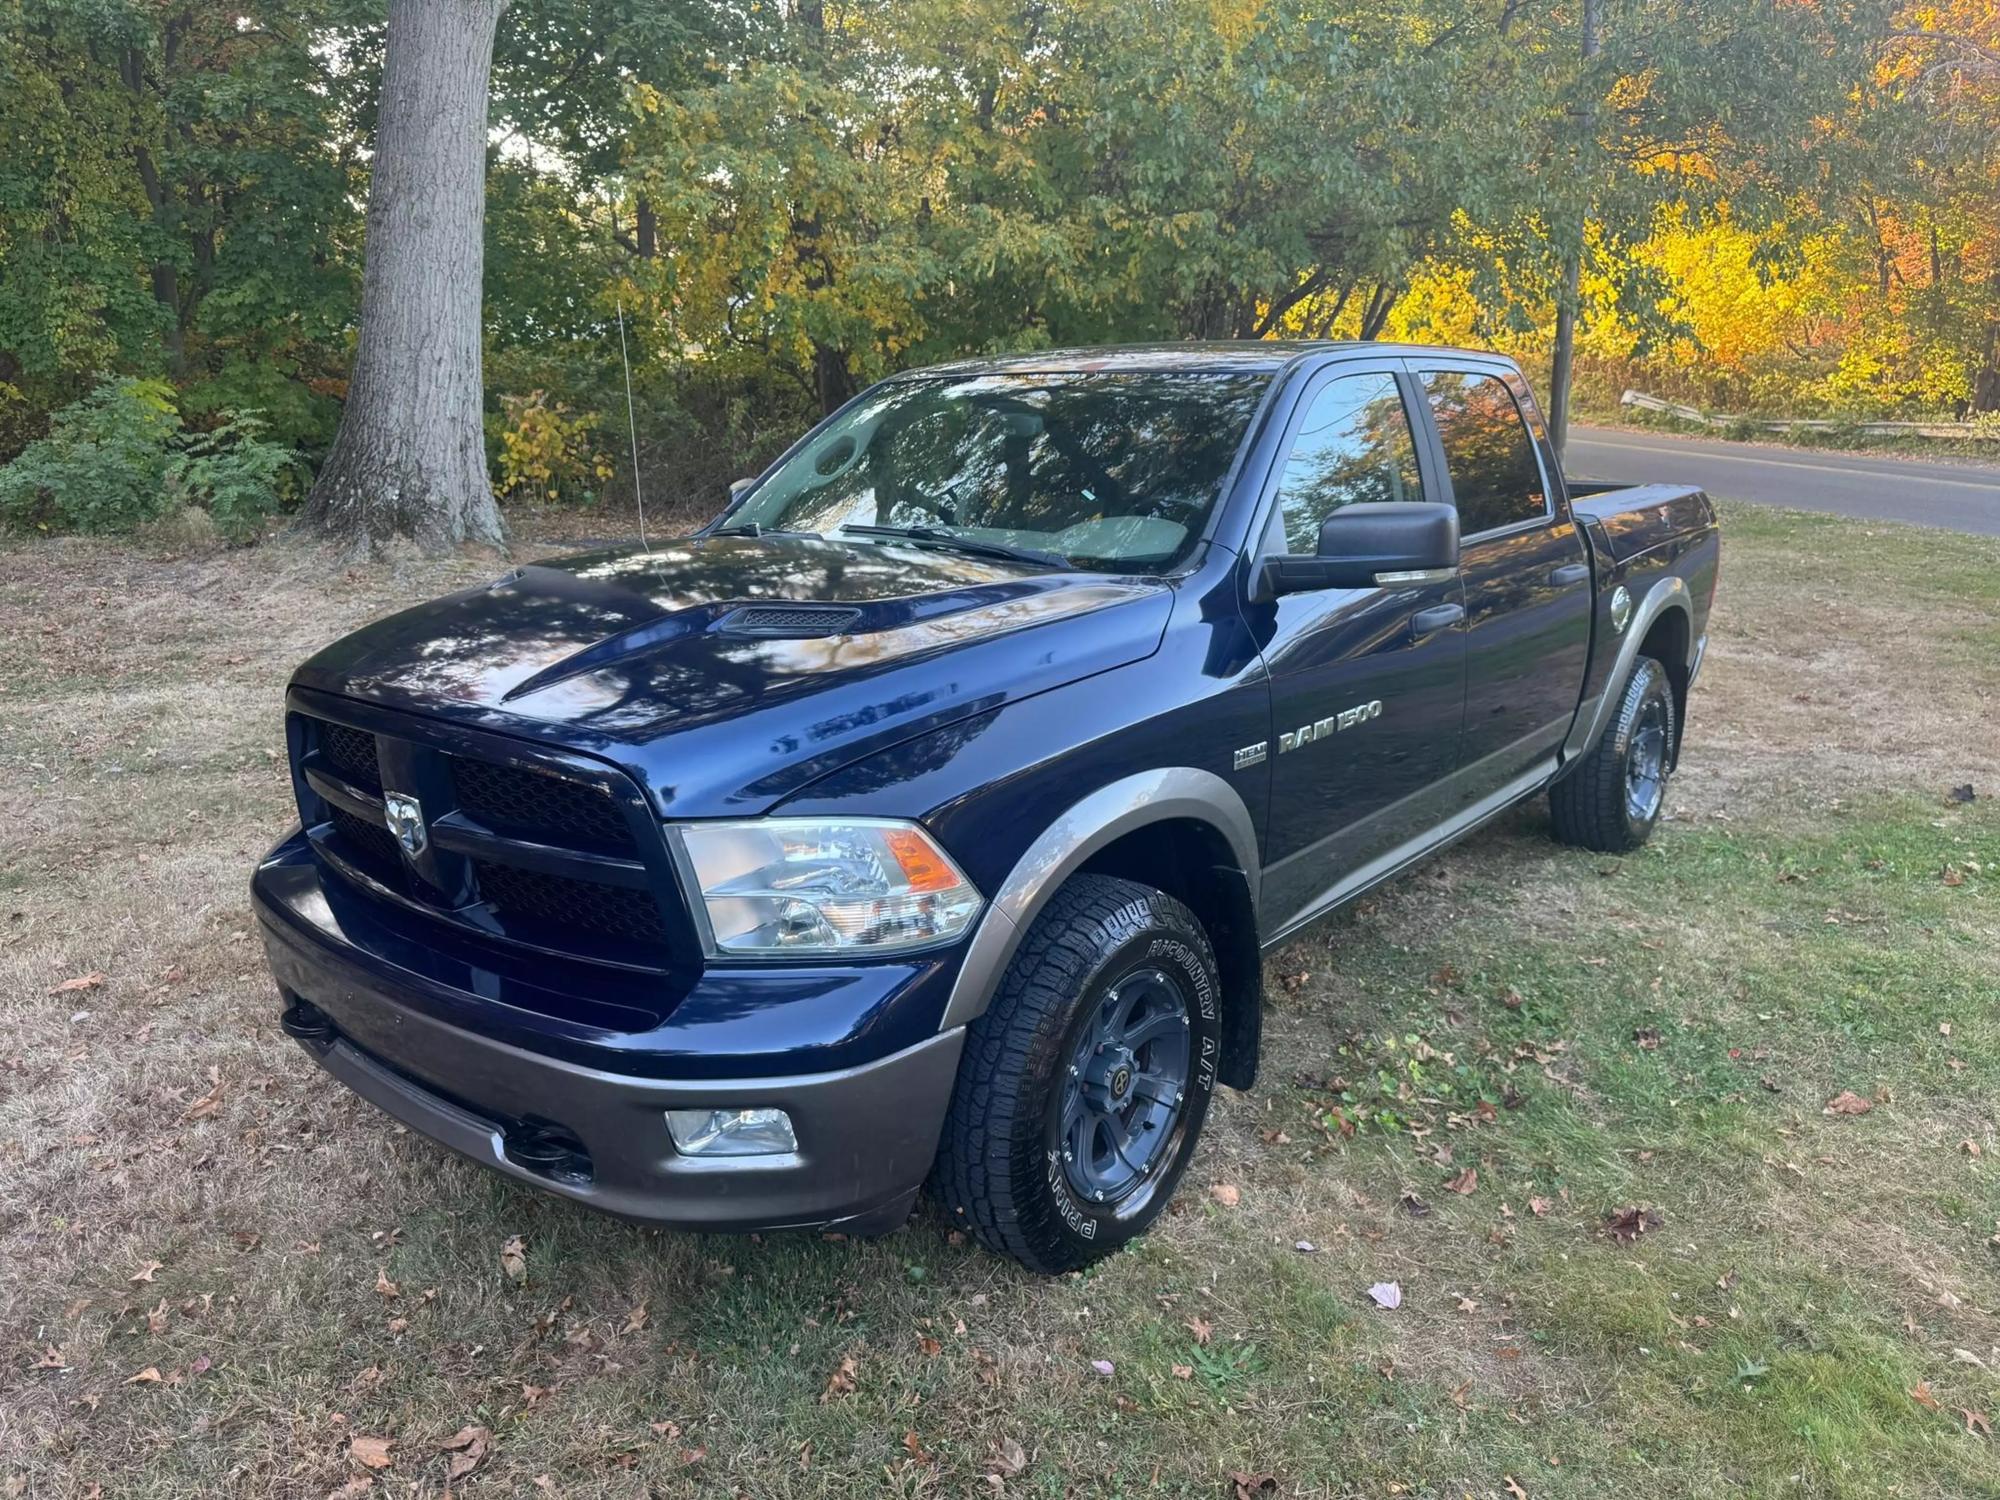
x=1960 y=496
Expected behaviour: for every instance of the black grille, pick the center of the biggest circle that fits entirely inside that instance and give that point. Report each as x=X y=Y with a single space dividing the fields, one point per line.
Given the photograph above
x=352 y=753
x=369 y=845
x=560 y=902
x=542 y=806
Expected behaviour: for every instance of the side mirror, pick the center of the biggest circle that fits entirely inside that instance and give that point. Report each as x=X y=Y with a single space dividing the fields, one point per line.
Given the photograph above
x=1369 y=545
x=737 y=487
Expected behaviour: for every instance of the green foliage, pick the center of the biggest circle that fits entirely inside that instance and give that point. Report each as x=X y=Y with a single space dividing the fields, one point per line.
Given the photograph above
x=240 y=478
x=120 y=458
x=103 y=466
x=1784 y=204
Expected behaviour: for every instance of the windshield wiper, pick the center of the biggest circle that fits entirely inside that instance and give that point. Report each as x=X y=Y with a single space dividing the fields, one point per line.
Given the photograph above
x=753 y=528
x=977 y=546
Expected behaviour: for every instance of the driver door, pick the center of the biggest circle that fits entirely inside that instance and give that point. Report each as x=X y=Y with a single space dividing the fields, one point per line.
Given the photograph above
x=1367 y=684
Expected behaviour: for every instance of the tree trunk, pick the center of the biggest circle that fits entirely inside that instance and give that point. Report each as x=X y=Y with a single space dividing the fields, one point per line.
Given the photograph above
x=1986 y=379
x=410 y=457
x=1569 y=293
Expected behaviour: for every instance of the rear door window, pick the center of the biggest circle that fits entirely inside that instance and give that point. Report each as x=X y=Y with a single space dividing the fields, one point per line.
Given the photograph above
x=1494 y=475
x=1354 y=445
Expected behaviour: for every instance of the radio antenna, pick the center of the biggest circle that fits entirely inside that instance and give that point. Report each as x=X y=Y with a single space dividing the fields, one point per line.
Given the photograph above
x=631 y=423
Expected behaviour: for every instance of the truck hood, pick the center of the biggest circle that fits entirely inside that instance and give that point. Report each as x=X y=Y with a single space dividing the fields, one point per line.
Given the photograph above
x=725 y=673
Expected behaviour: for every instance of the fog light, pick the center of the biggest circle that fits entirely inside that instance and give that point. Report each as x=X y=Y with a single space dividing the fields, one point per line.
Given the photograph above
x=731 y=1132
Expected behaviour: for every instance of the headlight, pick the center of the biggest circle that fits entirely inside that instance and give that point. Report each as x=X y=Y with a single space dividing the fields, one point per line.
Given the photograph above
x=807 y=885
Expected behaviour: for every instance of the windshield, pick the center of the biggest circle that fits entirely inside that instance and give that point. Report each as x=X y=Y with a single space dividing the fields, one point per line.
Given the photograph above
x=1116 y=472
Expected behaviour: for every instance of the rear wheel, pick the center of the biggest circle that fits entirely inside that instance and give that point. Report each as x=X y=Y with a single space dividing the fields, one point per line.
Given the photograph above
x=1612 y=801
x=1084 y=1086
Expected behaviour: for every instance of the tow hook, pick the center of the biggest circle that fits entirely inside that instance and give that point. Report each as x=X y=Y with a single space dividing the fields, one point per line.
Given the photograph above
x=307 y=1023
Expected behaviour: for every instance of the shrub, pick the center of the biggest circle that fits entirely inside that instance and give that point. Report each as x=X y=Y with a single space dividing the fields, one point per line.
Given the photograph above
x=545 y=453
x=233 y=473
x=119 y=458
x=103 y=466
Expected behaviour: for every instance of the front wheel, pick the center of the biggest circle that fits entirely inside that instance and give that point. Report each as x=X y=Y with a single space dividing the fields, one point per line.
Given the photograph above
x=1084 y=1085
x=1612 y=801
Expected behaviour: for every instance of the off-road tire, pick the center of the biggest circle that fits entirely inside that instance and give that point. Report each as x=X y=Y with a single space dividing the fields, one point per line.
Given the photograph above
x=1591 y=806
x=998 y=1175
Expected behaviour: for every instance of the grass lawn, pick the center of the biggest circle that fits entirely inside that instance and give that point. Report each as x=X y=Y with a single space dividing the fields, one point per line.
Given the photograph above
x=221 y=1274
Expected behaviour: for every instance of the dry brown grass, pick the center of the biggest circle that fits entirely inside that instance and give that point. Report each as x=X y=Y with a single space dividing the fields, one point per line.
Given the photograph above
x=160 y=1117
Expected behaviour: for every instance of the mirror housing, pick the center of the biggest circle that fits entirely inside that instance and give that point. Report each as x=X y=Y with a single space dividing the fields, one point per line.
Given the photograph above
x=737 y=487
x=1367 y=546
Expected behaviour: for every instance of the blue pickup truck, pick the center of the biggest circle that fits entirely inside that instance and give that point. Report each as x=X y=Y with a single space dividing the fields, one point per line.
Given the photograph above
x=924 y=818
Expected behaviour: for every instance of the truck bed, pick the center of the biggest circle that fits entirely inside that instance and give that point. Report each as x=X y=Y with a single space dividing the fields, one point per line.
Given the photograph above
x=1635 y=518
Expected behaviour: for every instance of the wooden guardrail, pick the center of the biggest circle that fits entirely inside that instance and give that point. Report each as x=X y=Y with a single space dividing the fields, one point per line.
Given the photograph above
x=1808 y=424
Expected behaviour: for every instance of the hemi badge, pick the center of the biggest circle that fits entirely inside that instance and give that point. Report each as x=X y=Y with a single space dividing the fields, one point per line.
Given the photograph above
x=1251 y=755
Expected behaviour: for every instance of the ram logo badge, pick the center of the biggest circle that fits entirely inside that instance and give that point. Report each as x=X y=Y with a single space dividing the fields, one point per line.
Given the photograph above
x=406 y=820
x=1331 y=725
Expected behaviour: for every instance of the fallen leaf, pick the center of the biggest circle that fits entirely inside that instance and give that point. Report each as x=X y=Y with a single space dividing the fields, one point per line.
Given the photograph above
x=1977 y=1423
x=514 y=1259
x=1464 y=1182
x=93 y=980
x=1104 y=1367
x=384 y=1287
x=1201 y=1328
x=360 y=1484
x=1961 y=793
x=1008 y=1459
x=841 y=1381
x=1466 y=1304
x=148 y=1376
x=1388 y=1294
x=1183 y=1372
x=467 y=1447
x=370 y=1452
x=1252 y=1486
x=1648 y=1038
x=1515 y=1490
x=1847 y=1102
x=1304 y=1247
x=1969 y=1146
x=634 y=1320
x=1539 y=1206
x=1225 y=1193
x=1414 y=1206
x=1627 y=1224
x=1921 y=1394
x=145 y=1272
x=210 y=1102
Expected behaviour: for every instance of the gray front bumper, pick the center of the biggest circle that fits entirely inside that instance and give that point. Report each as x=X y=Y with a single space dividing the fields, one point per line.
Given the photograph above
x=866 y=1135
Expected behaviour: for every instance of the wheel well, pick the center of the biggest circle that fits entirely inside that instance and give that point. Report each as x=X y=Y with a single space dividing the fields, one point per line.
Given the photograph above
x=1192 y=862
x=1666 y=641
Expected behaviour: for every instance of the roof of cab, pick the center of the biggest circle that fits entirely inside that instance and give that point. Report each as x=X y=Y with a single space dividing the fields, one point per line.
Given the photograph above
x=1247 y=356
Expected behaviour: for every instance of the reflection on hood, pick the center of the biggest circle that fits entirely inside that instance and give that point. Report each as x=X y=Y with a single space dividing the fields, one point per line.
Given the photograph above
x=623 y=647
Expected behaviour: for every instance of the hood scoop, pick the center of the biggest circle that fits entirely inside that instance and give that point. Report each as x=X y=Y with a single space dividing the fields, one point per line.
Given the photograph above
x=797 y=622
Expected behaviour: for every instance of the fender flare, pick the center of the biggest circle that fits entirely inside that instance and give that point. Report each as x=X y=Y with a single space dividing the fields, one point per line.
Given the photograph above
x=1077 y=833
x=1670 y=593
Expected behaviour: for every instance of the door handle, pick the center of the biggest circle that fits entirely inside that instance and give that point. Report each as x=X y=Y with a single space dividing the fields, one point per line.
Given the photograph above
x=1570 y=573
x=1437 y=617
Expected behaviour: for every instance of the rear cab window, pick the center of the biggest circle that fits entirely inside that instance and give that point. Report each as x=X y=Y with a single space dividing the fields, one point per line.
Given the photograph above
x=1496 y=478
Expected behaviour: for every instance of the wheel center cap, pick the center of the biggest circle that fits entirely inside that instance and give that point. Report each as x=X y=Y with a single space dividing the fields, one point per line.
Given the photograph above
x=1121 y=1080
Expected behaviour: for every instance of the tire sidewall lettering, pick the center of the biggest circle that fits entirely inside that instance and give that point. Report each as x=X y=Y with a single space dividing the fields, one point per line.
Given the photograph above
x=1184 y=956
